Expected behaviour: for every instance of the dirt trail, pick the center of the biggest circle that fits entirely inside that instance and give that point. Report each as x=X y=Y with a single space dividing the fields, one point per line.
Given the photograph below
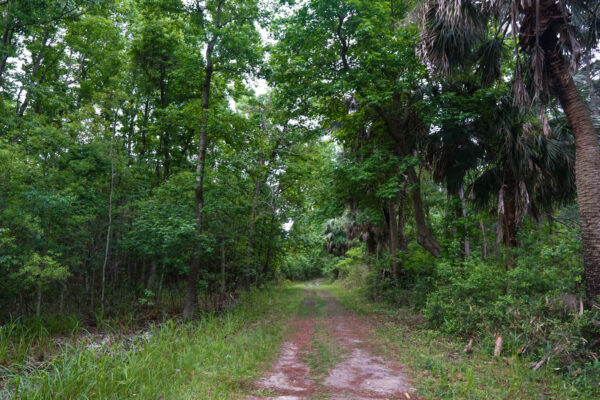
x=354 y=369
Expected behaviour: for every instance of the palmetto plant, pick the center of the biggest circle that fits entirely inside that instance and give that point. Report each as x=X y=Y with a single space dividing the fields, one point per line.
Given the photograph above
x=526 y=171
x=550 y=36
x=506 y=161
x=339 y=232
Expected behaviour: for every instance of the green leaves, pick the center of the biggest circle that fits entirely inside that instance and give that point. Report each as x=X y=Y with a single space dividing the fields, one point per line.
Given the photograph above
x=41 y=270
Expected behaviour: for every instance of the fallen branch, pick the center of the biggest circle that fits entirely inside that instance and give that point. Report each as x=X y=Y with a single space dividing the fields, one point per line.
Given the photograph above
x=498 y=347
x=539 y=364
x=469 y=347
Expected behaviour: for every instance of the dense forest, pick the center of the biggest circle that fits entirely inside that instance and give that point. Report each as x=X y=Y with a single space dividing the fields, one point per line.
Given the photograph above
x=163 y=160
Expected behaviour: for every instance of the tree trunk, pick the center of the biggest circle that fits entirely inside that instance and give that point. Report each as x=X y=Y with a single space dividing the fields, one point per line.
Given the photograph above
x=7 y=32
x=258 y=179
x=160 y=282
x=92 y=283
x=592 y=90
x=110 y=203
x=268 y=255
x=143 y=276
x=253 y=213
x=509 y=216
x=461 y=195
x=393 y=225
x=152 y=275
x=223 y=282
x=587 y=170
x=38 y=304
x=192 y=286
x=61 y=305
x=424 y=237
x=403 y=241
x=144 y=126
x=483 y=240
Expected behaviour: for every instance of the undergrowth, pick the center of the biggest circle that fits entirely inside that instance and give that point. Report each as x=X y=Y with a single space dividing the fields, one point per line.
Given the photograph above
x=442 y=370
x=217 y=356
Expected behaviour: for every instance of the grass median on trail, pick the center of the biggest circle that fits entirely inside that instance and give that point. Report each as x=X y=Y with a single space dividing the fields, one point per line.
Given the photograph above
x=441 y=370
x=214 y=357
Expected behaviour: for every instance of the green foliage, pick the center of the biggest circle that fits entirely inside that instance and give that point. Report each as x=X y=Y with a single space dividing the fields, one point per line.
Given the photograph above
x=359 y=163
x=445 y=371
x=43 y=270
x=214 y=357
x=535 y=305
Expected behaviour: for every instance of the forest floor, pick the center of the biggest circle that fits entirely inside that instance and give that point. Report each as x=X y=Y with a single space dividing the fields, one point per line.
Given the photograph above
x=331 y=354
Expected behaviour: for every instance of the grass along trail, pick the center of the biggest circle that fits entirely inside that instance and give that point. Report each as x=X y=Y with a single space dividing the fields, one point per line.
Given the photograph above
x=331 y=354
x=217 y=356
x=287 y=342
x=341 y=346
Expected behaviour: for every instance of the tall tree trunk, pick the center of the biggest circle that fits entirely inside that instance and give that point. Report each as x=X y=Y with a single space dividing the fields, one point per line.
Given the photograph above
x=160 y=282
x=509 y=216
x=192 y=285
x=110 y=204
x=92 y=284
x=591 y=88
x=483 y=240
x=424 y=237
x=152 y=275
x=7 y=34
x=223 y=282
x=267 y=262
x=253 y=213
x=38 y=303
x=144 y=126
x=467 y=244
x=259 y=178
x=393 y=225
x=61 y=304
x=587 y=169
x=403 y=241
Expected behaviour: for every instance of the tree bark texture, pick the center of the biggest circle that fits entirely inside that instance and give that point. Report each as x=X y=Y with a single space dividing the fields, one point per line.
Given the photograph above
x=393 y=223
x=587 y=169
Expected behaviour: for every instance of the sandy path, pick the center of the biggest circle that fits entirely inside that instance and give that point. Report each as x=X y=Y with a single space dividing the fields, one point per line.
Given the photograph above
x=359 y=373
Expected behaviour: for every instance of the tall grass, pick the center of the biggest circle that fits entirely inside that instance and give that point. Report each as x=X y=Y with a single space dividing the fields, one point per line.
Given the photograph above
x=214 y=357
x=25 y=340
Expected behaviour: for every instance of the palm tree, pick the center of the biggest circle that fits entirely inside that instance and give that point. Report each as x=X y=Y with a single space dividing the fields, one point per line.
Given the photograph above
x=551 y=36
x=505 y=155
x=526 y=171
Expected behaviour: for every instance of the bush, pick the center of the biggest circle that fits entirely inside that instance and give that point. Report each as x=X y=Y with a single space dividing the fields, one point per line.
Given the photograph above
x=534 y=304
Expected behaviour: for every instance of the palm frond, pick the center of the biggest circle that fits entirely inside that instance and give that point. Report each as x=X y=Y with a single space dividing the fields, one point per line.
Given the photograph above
x=451 y=30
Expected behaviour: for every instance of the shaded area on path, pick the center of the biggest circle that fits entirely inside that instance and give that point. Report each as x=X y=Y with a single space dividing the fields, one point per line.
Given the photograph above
x=359 y=374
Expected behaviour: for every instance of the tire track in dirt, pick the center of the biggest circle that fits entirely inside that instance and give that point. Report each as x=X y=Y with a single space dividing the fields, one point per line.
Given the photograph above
x=360 y=374
x=289 y=378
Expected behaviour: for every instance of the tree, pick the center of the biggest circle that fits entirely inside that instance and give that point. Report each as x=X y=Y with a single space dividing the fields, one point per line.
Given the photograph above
x=500 y=152
x=356 y=63
x=232 y=49
x=552 y=35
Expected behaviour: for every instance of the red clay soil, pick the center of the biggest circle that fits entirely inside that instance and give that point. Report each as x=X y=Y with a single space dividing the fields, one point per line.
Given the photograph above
x=360 y=375
x=290 y=377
